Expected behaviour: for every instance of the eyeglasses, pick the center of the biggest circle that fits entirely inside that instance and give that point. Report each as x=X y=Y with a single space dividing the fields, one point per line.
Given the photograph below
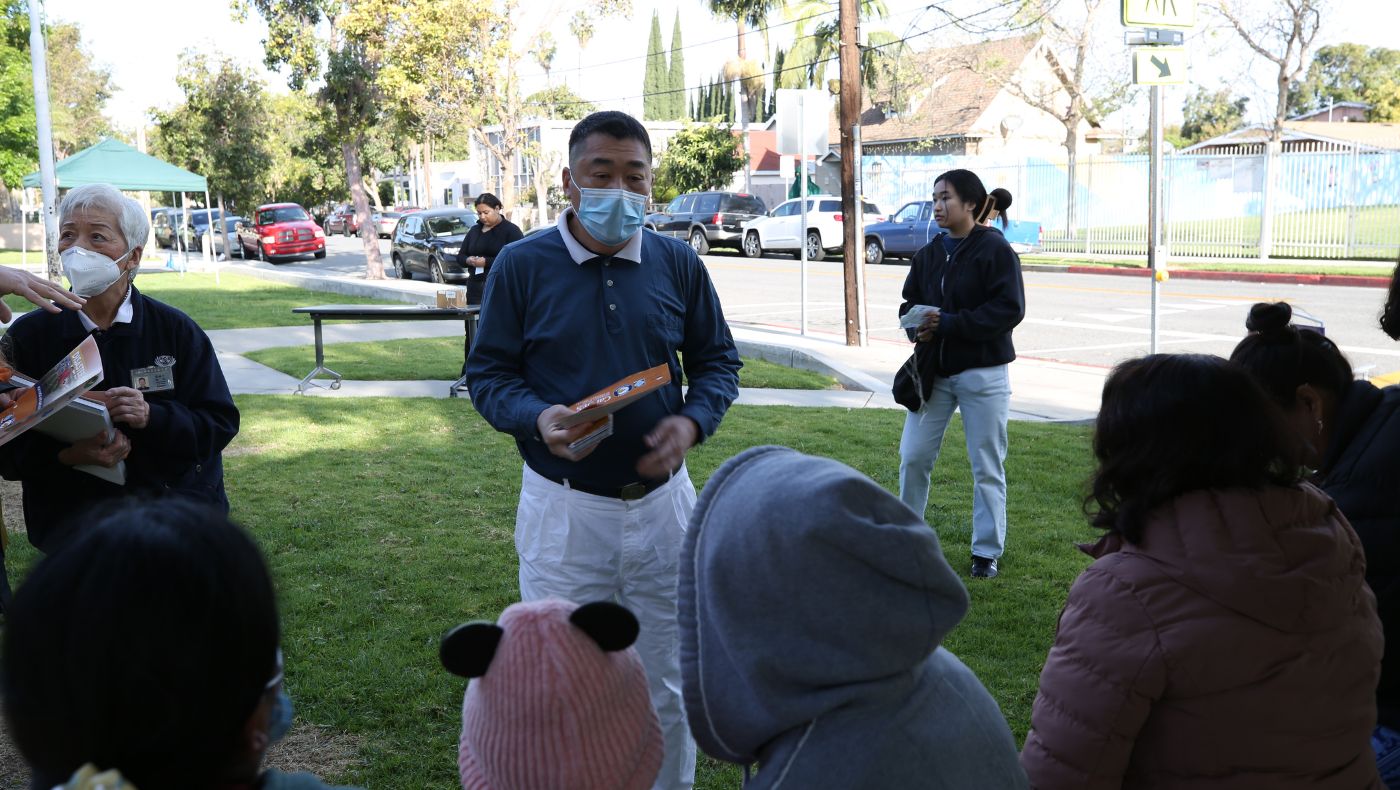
x=277 y=677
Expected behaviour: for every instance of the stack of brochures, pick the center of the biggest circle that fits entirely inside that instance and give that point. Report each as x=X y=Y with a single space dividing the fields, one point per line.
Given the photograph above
x=54 y=406
x=597 y=409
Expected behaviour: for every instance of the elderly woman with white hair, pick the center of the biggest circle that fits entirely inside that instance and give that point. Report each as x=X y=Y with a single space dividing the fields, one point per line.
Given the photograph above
x=161 y=381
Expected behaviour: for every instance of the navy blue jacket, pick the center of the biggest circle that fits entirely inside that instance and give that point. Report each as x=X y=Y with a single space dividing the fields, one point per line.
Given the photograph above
x=179 y=451
x=981 y=298
x=1362 y=474
x=555 y=331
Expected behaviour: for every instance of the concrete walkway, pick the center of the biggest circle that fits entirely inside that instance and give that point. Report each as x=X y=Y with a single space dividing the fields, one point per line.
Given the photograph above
x=1041 y=390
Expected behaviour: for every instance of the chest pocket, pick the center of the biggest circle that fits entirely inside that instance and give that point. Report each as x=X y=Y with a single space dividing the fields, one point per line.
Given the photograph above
x=664 y=334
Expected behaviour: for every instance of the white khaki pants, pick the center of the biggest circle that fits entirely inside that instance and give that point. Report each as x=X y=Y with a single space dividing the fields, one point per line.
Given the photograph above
x=584 y=548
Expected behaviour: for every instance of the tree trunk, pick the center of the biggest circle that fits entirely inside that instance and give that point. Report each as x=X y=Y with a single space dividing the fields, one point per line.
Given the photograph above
x=369 y=234
x=428 y=170
x=507 y=195
x=223 y=230
x=1281 y=106
x=542 y=169
x=1072 y=153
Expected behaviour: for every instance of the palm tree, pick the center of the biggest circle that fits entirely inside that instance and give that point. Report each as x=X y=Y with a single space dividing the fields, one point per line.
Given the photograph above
x=582 y=28
x=746 y=14
x=544 y=50
x=817 y=44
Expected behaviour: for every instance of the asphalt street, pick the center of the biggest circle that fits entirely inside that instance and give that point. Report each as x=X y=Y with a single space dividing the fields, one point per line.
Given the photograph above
x=1095 y=320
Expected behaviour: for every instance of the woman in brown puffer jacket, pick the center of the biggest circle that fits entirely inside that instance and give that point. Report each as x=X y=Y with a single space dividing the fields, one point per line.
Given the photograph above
x=1224 y=636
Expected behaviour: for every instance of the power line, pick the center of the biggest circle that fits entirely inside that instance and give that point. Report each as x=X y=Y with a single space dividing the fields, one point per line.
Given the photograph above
x=833 y=58
x=763 y=29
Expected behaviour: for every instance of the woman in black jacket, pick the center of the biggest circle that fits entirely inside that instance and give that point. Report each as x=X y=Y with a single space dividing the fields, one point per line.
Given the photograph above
x=967 y=286
x=484 y=241
x=1351 y=433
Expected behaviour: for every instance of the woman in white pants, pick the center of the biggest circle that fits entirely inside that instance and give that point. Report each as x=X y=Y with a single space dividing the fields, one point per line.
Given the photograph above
x=967 y=286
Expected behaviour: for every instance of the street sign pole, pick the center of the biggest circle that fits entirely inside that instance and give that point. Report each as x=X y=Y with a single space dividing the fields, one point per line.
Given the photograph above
x=1157 y=29
x=802 y=231
x=48 y=182
x=1154 y=210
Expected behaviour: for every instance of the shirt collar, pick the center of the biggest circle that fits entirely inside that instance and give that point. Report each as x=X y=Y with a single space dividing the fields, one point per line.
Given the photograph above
x=124 y=313
x=581 y=254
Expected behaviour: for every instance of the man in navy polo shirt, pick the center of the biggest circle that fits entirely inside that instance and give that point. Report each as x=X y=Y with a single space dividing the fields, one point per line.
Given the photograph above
x=566 y=312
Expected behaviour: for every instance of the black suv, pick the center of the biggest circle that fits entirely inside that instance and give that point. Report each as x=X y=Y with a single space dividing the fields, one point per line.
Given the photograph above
x=708 y=219
x=428 y=242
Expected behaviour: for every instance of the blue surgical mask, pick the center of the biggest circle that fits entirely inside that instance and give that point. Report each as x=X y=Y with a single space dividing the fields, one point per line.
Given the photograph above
x=279 y=720
x=612 y=216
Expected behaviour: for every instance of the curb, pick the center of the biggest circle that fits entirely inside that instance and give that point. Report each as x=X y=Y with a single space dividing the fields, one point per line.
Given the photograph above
x=800 y=359
x=1349 y=280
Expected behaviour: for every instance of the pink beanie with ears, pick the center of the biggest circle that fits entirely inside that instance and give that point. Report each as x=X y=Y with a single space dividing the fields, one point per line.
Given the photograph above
x=558 y=700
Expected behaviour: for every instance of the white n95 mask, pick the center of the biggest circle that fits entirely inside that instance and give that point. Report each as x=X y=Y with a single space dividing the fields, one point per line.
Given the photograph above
x=90 y=273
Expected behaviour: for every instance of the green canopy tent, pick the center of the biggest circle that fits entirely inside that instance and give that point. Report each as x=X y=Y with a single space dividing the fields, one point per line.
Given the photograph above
x=116 y=163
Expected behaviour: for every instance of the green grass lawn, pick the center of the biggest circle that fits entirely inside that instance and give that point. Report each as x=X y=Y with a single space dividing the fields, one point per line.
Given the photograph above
x=441 y=358
x=239 y=301
x=388 y=522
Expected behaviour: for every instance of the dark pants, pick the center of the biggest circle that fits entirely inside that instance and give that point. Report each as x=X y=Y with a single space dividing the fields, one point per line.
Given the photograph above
x=475 y=284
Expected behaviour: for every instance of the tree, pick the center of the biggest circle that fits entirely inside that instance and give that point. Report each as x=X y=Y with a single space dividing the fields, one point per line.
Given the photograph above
x=77 y=92
x=656 y=80
x=1210 y=114
x=305 y=164
x=746 y=14
x=1084 y=88
x=1350 y=73
x=220 y=131
x=559 y=102
x=19 y=149
x=582 y=28
x=817 y=40
x=331 y=41
x=700 y=157
x=676 y=84
x=544 y=51
x=1281 y=33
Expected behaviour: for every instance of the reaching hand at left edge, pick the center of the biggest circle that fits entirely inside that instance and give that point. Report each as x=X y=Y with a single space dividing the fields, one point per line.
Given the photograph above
x=37 y=290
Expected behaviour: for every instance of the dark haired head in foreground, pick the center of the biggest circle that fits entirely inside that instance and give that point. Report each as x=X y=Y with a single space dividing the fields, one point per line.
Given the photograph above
x=1224 y=628
x=1390 y=316
x=1174 y=423
x=149 y=645
x=1350 y=431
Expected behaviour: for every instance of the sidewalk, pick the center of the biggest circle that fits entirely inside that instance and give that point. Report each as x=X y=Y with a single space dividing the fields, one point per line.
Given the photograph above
x=1041 y=390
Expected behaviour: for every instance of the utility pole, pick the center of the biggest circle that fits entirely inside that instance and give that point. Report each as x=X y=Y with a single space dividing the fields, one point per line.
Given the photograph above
x=48 y=183
x=853 y=248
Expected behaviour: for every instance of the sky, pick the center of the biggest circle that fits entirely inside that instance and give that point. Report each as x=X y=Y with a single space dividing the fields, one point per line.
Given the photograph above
x=142 y=49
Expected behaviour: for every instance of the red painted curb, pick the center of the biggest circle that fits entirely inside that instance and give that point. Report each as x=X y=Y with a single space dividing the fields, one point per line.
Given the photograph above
x=1352 y=280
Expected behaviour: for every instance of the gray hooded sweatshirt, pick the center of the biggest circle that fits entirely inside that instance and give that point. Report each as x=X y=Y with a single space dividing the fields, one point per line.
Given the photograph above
x=812 y=605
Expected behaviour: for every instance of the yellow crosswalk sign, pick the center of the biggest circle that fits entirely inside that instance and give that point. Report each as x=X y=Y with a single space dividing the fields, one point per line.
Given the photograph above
x=1159 y=13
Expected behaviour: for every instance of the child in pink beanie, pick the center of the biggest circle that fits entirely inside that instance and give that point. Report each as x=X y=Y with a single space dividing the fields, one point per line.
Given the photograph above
x=558 y=700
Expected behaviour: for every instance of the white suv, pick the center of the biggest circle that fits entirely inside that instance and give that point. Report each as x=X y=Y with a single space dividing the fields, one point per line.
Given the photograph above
x=781 y=229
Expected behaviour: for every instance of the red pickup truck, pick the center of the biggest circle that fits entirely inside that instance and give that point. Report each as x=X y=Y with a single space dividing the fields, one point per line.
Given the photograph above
x=279 y=231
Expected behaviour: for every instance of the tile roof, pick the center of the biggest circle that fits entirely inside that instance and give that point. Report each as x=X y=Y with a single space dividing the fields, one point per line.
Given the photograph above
x=957 y=84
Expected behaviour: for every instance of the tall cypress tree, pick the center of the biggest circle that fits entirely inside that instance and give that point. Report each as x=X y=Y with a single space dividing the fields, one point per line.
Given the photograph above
x=676 y=83
x=654 y=98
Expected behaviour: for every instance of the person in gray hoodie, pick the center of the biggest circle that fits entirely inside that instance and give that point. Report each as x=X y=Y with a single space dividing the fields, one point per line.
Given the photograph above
x=812 y=606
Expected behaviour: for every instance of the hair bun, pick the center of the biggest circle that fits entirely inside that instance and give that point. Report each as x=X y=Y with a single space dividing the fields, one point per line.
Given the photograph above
x=1002 y=198
x=1267 y=317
